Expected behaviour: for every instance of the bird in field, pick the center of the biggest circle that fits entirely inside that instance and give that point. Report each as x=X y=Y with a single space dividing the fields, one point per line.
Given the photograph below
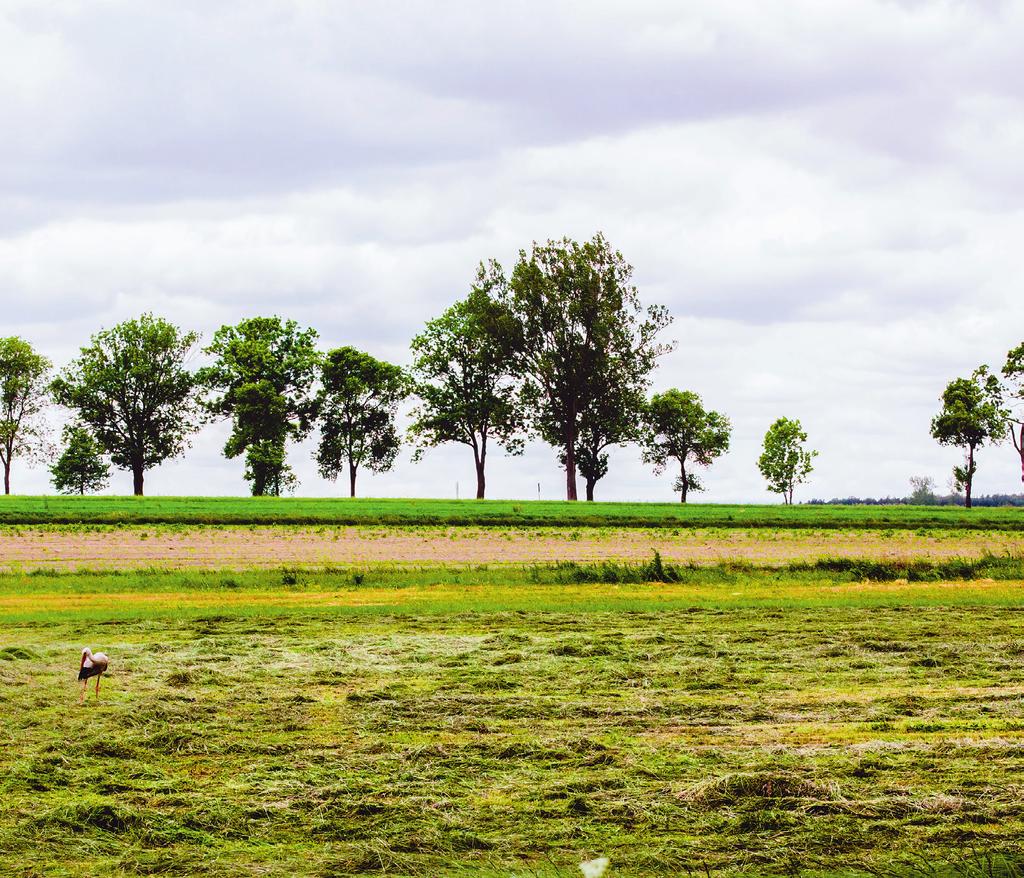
x=93 y=665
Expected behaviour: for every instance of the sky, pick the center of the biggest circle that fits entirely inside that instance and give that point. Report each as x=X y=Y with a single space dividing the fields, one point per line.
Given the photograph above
x=828 y=197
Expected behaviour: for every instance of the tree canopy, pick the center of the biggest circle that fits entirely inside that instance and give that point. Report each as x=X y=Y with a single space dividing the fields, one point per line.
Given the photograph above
x=131 y=387
x=24 y=393
x=357 y=404
x=583 y=343
x=972 y=414
x=463 y=373
x=1013 y=371
x=80 y=469
x=262 y=377
x=784 y=462
x=680 y=429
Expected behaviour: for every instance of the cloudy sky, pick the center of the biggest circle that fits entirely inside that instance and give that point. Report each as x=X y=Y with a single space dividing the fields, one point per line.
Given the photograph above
x=828 y=196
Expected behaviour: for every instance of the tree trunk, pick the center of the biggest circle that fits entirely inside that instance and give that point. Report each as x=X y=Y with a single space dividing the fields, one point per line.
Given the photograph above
x=970 y=476
x=138 y=475
x=570 y=465
x=351 y=479
x=590 y=488
x=7 y=476
x=1019 y=445
x=481 y=482
x=684 y=485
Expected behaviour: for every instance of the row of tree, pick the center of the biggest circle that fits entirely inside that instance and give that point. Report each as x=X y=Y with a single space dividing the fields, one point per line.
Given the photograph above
x=559 y=349
x=982 y=409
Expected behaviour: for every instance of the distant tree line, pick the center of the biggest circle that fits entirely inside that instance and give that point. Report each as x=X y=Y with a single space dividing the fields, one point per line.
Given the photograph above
x=558 y=349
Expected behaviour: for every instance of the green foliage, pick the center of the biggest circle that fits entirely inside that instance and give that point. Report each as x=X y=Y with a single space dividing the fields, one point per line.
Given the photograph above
x=972 y=414
x=784 y=462
x=679 y=428
x=264 y=371
x=131 y=387
x=464 y=379
x=24 y=383
x=80 y=469
x=585 y=347
x=357 y=405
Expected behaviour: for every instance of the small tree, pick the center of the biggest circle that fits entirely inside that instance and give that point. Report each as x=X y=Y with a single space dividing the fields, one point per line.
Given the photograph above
x=80 y=469
x=1013 y=370
x=680 y=429
x=614 y=416
x=131 y=387
x=972 y=414
x=464 y=379
x=357 y=405
x=262 y=378
x=24 y=384
x=785 y=463
x=922 y=491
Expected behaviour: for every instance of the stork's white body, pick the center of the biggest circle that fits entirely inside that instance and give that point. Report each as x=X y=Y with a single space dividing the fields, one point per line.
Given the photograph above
x=93 y=665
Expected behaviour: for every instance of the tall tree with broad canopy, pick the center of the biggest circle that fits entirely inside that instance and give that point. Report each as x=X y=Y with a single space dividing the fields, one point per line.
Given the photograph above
x=784 y=462
x=24 y=393
x=262 y=379
x=972 y=414
x=357 y=404
x=80 y=469
x=1013 y=371
x=680 y=429
x=131 y=387
x=463 y=375
x=582 y=341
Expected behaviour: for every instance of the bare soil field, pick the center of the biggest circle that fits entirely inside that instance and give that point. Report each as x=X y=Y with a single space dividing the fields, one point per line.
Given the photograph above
x=103 y=548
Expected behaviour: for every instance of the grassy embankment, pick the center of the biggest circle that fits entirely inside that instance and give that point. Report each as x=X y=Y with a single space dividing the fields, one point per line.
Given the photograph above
x=506 y=722
x=268 y=510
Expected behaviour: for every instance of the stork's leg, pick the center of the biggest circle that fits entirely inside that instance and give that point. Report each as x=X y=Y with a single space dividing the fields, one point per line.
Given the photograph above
x=100 y=674
x=81 y=697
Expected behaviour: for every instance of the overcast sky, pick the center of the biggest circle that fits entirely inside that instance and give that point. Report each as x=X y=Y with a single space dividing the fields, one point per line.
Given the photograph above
x=829 y=197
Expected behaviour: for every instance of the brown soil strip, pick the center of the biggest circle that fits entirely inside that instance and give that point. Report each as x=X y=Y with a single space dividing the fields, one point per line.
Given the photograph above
x=240 y=548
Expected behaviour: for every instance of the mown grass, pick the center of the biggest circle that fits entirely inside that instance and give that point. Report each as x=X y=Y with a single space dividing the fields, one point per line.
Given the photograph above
x=290 y=510
x=736 y=721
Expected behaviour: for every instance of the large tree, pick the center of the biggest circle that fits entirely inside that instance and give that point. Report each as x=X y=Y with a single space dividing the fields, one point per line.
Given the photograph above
x=972 y=414
x=357 y=405
x=464 y=377
x=80 y=469
x=1013 y=370
x=262 y=379
x=680 y=429
x=581 y=336
x=132 y=388
x=784 y=461
x=24 y=393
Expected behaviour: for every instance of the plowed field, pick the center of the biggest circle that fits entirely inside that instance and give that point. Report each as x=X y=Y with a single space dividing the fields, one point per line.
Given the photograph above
x=103 y=547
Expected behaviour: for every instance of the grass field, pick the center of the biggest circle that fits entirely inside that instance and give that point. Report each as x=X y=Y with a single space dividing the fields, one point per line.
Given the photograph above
x=817 y=719
x=275 y=510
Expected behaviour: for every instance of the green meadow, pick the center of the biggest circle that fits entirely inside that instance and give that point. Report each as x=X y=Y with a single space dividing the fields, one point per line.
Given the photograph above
x=819 y=719
x=295 y=510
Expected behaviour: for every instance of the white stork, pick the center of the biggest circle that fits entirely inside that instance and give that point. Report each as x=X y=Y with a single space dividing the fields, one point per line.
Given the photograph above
x=93 y=665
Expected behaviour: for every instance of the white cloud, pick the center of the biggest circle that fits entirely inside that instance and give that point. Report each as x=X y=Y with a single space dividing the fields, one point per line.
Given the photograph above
x=827 y=198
